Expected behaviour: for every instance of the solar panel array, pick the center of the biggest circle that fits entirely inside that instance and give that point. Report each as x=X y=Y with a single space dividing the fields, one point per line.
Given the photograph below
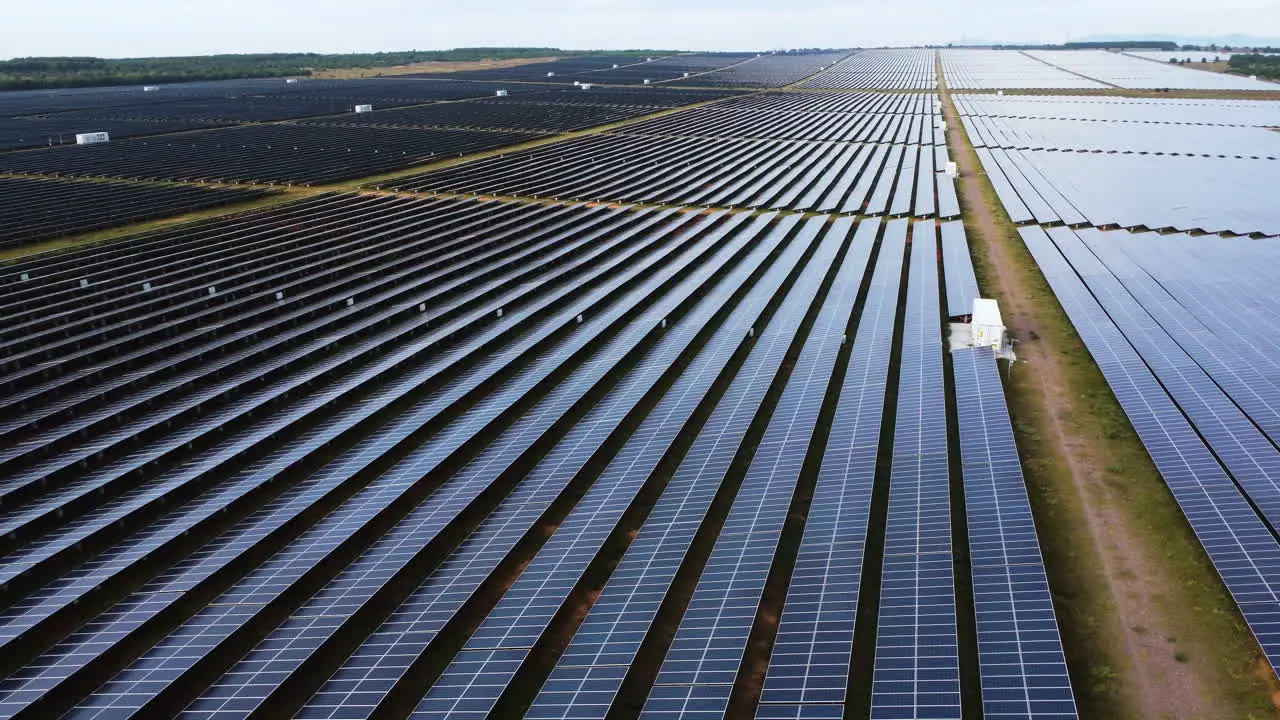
x=972 y=69
x=359 y=454
x=836 y=157
x=32 y=210
x=892 y=69
x=1139 y=164
x=1127 y=71
x=1196 y=380
x=917 y=671
x=774 y=70
x=809 y=668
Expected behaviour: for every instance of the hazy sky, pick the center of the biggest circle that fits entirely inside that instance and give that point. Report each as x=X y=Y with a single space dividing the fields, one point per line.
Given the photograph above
x=120 y=28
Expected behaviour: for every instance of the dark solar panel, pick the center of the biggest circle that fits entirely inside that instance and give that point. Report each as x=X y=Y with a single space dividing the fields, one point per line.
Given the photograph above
x=917 y=670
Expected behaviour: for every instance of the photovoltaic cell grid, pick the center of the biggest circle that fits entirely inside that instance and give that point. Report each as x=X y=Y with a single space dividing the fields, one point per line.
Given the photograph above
x=477 y=676
x=703 y=660
x=957 y=266
x=1167 y=165
x=1175 y=139
x=809 y=666
x=510 y=522
x=972 y=69
x=288 y=508
x=1020 y=657
x=590 y=672
x=300 y=404
x=1143 y=111
x=917 y=670
x=1126 y=71
x=891 y=69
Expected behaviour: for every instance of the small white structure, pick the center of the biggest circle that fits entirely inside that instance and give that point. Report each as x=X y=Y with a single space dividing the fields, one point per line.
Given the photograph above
x=576 y=83
x=646 y=81
x=1000 y=93
x=585 y=86
x=291 y=81
x=953 y=170
x=501 y=93
x=551 y=73
x=364 y=108
x=92 y=138
x=615 y=66
x=686 y=74
x=986 y=327
x=150 y=88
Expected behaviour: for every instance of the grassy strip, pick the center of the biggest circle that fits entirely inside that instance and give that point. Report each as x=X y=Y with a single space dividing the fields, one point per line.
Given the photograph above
x=1211 y=635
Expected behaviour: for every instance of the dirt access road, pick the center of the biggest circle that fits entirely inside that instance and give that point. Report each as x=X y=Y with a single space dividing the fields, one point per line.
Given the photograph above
x=1149 y=630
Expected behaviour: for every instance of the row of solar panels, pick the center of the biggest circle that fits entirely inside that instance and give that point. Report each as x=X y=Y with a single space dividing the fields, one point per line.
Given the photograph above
x=295 y=504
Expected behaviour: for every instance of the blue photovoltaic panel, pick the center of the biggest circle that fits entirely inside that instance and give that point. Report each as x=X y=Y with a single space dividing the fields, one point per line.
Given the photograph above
x=284 y=650
x=917 y=670
x=155 y=596
x=957 y=268
x=809 y=667
x=948 y=201
x=587 y=676
x=1022 y=666
x=1241 y=548
x=217 y=623
x=703 y=659
x=360 y=684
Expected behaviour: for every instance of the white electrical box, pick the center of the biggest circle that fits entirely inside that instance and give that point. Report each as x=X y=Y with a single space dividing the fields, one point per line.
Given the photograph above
x=953 y=170
x=364 y=108
x=92 y=138
x=150 y=88
x=501 y=93
x=987 y=326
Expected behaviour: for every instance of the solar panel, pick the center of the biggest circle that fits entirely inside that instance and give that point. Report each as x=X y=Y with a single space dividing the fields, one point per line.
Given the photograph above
x=809 y=667
x=957 y=266
x=395 y=646
x=1021 y=662
x=917 y=670
x=704 y=656
x=56 y=596
x=586 y=677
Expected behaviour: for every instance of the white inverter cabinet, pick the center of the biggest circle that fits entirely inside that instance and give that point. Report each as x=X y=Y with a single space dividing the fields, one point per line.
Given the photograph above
x=92 y=138
x=987 y=326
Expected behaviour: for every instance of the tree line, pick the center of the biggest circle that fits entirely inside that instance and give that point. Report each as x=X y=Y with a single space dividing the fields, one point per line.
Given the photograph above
x=1264 y=66
x=35 y=73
